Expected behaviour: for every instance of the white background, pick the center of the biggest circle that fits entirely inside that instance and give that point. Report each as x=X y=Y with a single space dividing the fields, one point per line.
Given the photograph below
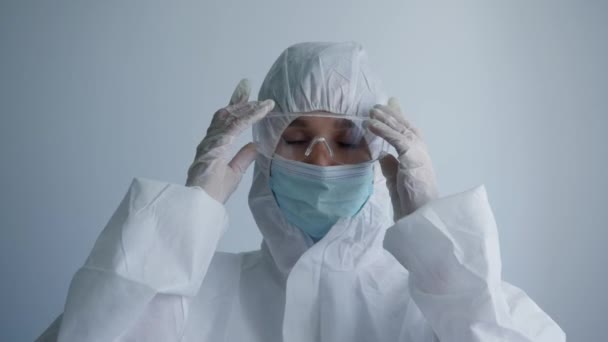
x=511 y=94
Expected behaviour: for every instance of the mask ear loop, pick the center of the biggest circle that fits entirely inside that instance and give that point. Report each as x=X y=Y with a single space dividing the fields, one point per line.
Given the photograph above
x=314 y=142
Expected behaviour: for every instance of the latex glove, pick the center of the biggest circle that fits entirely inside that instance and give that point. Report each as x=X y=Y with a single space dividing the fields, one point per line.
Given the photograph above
x=211 y=169
x=409 y=177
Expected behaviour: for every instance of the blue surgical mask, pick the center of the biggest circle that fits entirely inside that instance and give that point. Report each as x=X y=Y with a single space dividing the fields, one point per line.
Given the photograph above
x=313 y=198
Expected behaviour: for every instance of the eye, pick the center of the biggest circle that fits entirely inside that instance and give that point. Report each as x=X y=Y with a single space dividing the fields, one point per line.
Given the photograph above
x=297 y=139
x=348 y=145
x=349 y=139
x=295 y=142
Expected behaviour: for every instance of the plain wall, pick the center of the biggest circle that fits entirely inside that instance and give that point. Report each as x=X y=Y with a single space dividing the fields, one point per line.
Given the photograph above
x=510 y=94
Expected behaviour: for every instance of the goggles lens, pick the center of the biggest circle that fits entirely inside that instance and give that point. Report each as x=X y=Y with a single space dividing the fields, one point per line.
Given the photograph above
x=318 y=138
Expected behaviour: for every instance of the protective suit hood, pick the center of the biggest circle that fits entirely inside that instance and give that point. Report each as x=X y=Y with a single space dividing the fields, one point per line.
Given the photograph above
x=336 y=78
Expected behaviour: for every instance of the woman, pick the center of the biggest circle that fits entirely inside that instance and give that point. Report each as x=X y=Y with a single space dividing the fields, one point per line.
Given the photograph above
x=328 y=269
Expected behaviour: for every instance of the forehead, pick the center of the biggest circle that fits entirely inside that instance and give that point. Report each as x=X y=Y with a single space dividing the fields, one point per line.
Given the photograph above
x=313 y=122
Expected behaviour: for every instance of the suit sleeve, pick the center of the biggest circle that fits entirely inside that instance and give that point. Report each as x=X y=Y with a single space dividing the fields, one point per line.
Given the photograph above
x=450 y=247
x=145 y=267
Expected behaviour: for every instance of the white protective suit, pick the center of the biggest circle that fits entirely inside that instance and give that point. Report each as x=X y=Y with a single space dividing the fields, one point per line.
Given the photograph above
x=154 y=273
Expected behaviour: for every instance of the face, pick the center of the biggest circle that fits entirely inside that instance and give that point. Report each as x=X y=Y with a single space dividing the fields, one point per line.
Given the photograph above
x=324 y=141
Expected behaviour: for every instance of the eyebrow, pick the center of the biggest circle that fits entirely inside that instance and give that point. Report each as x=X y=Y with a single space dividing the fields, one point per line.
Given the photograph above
x=340 y=123
x=298 y=123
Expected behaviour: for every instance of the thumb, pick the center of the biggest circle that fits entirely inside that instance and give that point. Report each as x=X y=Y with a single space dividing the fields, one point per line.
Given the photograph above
x=243 y=158
x=390 y=165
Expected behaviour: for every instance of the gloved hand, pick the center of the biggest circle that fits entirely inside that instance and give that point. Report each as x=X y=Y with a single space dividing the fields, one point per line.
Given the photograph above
x=211 y=169
x=410 y=177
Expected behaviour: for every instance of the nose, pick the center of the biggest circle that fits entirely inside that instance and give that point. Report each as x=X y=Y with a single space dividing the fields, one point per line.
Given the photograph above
x=320 y=155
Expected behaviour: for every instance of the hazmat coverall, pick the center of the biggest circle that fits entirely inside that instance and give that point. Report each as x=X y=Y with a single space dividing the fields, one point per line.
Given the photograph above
x=433 y=275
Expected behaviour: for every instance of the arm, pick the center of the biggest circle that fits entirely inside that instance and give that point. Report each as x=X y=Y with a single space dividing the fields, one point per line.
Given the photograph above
x=450 y=246
x=152 y=256
x=146 y=265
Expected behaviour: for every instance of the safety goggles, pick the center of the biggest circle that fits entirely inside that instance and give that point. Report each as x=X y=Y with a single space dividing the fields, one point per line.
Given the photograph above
x=319 y=138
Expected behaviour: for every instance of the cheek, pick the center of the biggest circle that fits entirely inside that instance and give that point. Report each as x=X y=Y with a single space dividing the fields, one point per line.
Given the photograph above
x=281 y=149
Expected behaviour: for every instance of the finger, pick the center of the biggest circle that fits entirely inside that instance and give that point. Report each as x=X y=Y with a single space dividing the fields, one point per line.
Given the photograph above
x=247 y=109
x=232 y=120
x=243 y=158
x=224 y=115
x=241 y=93
x=396 y=139
x=393 y=103
x=237 y=110
x=417 y=132
x=389 y=120
x=394 y=109
x=389 y=166
x=250 y=115
x=243 y=117
x=393 y=113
